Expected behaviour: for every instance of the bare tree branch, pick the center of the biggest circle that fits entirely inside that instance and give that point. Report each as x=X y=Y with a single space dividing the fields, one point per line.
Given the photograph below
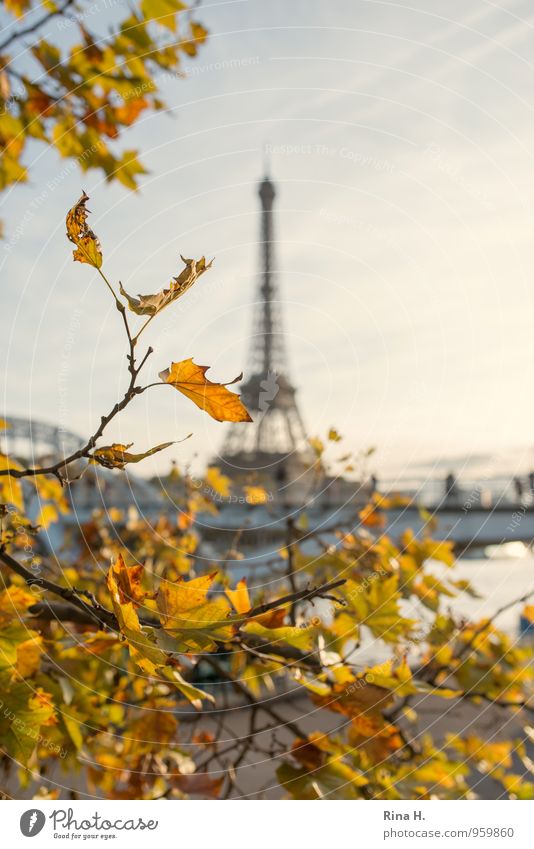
x=321 y=591
x=41 y=22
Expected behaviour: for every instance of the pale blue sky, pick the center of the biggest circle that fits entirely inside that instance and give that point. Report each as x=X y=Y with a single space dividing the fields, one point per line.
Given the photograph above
x=404 y=161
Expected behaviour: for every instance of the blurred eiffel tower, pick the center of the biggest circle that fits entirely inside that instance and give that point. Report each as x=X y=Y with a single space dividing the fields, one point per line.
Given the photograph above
x=276 y=442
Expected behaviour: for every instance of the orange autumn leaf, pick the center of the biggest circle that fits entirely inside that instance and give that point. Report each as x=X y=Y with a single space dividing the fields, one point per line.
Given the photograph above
x=127 y=580
x=358 y=698
x=181 y=598
x=221 y=404
x=307 y=753
x=80 y=234
x=371 y=517
x=273 y=618
x=130 y=111
x=199 y=785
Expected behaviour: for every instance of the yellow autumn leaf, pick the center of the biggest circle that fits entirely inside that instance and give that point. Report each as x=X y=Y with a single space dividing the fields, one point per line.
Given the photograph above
x=240 y=597
x=194 y=620
x=219 y=483
x=443 y=692
x=124 y=585
x=192 y=693
x=221 y=404
x=177 y=599
x=116 y=456
x=154 y=304
x=15 y=601
x=299 y=638
x=399 y=678
x=29 y=656
x=10 y=488
x=51 y=491
x=377 y=607
x=163 y=12
x=255 y=495
x=17 y=7
x=80 y=234
x=48 y=514
x=317 y=445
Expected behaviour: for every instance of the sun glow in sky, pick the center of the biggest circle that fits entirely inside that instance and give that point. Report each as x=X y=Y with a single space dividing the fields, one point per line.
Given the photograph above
x=401 y=139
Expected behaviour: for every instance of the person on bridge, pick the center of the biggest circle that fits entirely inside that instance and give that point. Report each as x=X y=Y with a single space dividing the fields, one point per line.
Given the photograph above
x=451 y=488
x=519 y=489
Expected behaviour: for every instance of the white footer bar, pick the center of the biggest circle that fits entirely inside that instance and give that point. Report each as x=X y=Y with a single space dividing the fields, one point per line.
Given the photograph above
x=262 y=825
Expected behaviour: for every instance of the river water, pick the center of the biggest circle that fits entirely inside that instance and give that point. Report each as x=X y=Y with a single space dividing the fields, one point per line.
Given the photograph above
x=505 y=575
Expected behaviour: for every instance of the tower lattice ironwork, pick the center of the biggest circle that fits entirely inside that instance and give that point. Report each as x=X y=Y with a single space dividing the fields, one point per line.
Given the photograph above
x=277 y=438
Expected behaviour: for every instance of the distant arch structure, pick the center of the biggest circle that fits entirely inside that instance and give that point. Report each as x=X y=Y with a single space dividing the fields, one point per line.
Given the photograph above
x=31 y=439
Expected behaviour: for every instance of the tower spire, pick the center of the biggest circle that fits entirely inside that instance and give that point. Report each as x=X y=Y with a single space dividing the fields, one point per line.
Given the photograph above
x=277 y=433
x=268 y=339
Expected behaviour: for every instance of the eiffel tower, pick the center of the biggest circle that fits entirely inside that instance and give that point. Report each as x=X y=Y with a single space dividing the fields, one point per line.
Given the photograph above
x=275 y=444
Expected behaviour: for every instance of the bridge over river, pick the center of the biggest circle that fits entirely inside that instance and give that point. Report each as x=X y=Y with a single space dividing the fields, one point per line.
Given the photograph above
x=464 y=521
x=467 y=527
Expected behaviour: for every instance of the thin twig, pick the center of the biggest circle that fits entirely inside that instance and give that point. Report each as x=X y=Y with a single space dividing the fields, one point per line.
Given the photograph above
x=36 y=25
x=321 y=591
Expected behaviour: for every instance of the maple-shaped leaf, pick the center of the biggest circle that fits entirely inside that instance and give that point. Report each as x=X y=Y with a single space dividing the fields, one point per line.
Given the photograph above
x=116 y=456
x=124 y=584
x=194 y=621
x=221 y=404
x=80 y=234
x=180 y=598
x=24 y=713
x=12 y=637
x=377 y=607
x=397 y=678
x=154 y=304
